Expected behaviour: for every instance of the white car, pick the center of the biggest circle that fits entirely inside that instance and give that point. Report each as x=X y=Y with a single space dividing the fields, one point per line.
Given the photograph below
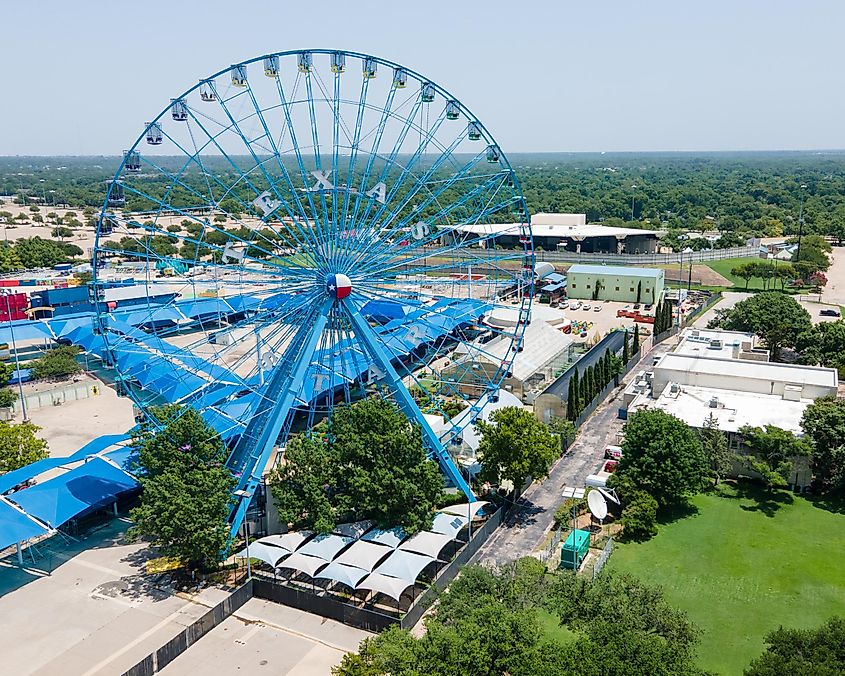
x=575 y=306
x=587 y=307
x=597 y=308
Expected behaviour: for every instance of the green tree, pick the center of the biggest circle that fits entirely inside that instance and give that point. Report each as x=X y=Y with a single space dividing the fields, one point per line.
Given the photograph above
x=744 y=272
x=639 y=516
x=56 y=363
x=563 y=429
x=824 y=422
x=773 y=452
x=626 y=352
x=61 y=232
x=19 y=446
x=186 y=489
x=573 y=403
x=7 y=397
x=639 y=290
x=515 y=446
x=663 y=456
x=369 y=463
x=635 y=342
x=776 y=318
x=815 y=652
x=715 y=446
x=824 y=344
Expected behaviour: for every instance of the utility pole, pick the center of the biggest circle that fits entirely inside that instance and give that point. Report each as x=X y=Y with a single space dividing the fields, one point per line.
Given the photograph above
x=633 y=187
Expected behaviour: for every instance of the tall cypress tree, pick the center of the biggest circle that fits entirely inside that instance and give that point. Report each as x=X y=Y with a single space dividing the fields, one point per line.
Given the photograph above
x=582 y=393
x=572 y=403
x=658 y=318
x=626 y=355
x=635 y=347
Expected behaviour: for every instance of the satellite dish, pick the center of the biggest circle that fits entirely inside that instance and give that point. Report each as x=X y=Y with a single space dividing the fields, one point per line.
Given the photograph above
x=597 y=505
x=609 y=495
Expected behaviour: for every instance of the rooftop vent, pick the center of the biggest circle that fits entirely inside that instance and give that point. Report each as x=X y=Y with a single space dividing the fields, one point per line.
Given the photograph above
x=714 y=402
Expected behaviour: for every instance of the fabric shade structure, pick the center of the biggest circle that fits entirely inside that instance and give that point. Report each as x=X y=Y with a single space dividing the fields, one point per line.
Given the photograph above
x=353 y=530
x=267 y=553
x=393 y=587
x=364 y=555
x=341 y=572
x=461 y=510
x=302 y=563
x=95 y=483
x=15 y=526
x=448 y=524
x=390 y=538
x=405 y=565
x=288 y=541
x=426 y=542
x=325 y=547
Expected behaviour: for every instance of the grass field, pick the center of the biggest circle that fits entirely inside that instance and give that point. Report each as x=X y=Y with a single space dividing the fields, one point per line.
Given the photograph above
x=725 y=266
x=743 y=565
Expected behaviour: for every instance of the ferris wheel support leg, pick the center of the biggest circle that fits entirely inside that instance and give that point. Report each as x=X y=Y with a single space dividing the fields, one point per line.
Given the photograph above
x=406 y=402
x=262 y=432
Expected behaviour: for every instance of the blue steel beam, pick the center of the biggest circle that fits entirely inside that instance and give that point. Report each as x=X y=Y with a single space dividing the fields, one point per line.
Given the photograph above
x=406 y=402
x=261 y=434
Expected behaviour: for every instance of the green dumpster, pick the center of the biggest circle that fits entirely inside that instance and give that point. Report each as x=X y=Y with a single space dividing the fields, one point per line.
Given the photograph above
x=574 y=550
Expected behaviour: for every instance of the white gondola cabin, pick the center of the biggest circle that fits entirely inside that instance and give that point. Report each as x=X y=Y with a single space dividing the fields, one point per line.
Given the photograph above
x=154 y=135
x=239 y=75
x=179 y=110
x=370 y=67
x=473 y=131
x=304 y=61
x=338 y=62
x=453 y=112
x=427 y=92
x=400 y=78
x=132 y=161
x=207 y=92
x=493 y=154
x=271 y=66
x=116 y=196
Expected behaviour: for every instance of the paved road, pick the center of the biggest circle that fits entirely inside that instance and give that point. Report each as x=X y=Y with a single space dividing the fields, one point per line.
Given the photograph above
x=528 y=524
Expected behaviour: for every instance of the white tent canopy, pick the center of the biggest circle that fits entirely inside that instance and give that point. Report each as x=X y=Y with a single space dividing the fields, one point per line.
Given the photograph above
x=266 y=553
x=340 y=572
x=405 y=565
x=426 y=542
x=353 y=530
x=448 y=524
x=325 y=547
x=391 y=538
x=288 y=541
x=303 y=563
x=391 y=586
x=461 y=510
x=364 y=555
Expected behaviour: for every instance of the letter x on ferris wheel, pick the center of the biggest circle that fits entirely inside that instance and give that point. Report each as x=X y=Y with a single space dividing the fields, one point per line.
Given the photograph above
x=314 y=227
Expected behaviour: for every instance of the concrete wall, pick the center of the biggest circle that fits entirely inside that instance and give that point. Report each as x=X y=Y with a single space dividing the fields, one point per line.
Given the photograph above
x=618 y=287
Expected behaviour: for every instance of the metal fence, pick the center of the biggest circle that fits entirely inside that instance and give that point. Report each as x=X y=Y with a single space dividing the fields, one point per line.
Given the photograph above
x=603 y=557
x=156 y=661
x=646 y=258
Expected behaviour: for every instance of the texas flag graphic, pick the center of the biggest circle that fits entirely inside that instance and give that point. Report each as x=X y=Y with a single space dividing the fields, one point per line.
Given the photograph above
x=339 y=286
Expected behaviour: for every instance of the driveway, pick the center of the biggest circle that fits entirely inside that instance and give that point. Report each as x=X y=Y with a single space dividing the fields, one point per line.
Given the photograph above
x=527 y=525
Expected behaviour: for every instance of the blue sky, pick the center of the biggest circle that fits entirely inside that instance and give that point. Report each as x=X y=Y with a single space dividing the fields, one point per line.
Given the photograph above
x=81 y=77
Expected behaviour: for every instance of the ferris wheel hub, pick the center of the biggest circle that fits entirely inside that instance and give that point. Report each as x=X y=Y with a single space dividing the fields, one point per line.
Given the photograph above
x=338 y=286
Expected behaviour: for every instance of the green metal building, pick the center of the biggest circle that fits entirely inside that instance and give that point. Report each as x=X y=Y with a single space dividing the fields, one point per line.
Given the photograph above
x=615 y=282
x=574 y=550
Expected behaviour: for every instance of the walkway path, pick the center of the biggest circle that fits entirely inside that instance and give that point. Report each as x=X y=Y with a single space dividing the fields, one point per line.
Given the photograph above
x=526 y=527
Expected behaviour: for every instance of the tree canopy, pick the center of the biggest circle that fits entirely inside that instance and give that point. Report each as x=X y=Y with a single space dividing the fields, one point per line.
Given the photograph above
x=19 y=445
x=369 y=462
x=663 y=456
x=775 y=317
x=515 y=446
x=773 y=452
x=814 y=652
x=823 y=344
x=488 y=623
x=824 y=423
x=56 y=363
x=186 y=489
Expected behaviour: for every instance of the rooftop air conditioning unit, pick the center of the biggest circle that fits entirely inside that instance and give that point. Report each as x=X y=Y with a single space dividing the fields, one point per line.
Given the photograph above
x=715 y=344
x=674 y=388
x=714 y=402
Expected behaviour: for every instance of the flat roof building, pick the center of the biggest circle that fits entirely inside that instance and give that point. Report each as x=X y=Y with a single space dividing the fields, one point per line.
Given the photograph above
x=615 y=282
x=569 y=232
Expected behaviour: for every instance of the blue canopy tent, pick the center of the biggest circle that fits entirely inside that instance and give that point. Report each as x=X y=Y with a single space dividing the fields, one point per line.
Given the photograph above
x=93 y=484
x=15 y=526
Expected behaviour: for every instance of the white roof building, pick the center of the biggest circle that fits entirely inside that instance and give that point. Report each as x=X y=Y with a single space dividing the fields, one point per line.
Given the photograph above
x=717 y=343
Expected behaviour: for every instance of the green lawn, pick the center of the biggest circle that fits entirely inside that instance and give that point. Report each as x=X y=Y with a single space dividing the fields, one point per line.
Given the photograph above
x=725 y=266
x=742 y=566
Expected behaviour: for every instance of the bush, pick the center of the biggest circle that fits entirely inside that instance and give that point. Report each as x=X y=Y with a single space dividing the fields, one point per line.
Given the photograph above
x=639 y=516
x=56 y=363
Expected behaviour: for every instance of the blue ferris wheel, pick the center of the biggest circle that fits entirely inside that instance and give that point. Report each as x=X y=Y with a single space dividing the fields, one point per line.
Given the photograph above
x=311 y=228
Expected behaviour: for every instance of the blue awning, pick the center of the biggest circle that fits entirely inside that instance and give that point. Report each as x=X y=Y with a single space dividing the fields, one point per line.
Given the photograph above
x=15 y=526
x=95 y=483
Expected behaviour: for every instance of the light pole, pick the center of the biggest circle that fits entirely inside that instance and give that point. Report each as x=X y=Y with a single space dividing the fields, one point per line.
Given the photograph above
x=15 y=352
x=248 y=495
x=800 y=222
x=633 y=187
